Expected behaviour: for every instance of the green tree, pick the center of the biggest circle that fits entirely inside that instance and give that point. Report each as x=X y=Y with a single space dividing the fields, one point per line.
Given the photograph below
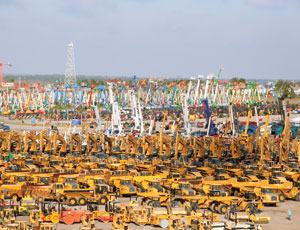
x=242 y=80
x=238 y=80
x=285 y=89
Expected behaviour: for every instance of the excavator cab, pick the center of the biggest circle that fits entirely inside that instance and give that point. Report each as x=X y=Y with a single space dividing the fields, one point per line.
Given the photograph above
x=155 y=202
x=194 y=204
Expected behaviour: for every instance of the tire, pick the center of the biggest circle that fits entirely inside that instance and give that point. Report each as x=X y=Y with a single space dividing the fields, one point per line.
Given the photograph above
x=212 y=206
x=81 y=201
x=119 y=194
x=297 y=197
x=149 y=203
x=72 y=201
x=216 y=208
x=249 y=207
x=69 y=219
x=222 y=208
x=55 y=218
x=226 y=216
x=14 y=196
x=281 y=197
x=40 y=199
x=102 y=200
x=61 y=198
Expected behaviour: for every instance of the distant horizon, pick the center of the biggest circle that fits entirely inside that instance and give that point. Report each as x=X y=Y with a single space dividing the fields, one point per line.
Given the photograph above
x=141 y=77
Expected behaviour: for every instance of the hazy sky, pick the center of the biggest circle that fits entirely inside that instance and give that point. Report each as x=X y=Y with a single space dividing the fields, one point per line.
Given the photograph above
x=250 y=38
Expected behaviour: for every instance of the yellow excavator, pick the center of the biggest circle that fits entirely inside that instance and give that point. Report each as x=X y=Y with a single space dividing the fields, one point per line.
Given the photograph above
x=5 y=112
x=61 y=147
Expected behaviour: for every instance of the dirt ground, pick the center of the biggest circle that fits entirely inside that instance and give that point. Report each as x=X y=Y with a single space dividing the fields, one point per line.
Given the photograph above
x=278 y=216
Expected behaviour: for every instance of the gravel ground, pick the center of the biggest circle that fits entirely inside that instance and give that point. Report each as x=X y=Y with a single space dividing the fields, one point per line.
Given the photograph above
x=278 y=216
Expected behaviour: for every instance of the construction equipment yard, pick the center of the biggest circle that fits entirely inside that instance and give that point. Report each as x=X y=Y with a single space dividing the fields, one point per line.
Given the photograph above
x=149 y=131
x=193 y=165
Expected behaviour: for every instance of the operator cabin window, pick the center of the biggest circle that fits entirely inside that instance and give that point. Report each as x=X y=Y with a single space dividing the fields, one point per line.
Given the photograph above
x=45 y=180
x=59 y=186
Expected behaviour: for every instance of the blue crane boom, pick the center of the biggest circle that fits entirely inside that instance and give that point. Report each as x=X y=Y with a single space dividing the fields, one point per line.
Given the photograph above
x=212 y=129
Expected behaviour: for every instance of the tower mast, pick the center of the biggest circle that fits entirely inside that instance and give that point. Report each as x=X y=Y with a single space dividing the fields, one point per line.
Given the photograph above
x=70 y=76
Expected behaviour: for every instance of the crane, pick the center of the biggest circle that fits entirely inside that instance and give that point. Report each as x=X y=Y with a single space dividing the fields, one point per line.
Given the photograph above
x=2 y=64
x=212 y=130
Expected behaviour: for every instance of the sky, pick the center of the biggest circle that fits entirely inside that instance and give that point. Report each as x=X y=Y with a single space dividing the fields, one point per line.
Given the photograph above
x=249 y=38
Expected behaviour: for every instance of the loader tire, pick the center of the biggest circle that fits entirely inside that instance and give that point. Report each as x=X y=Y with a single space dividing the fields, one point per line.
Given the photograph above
x=212 y=206
x=281 y=197
x=14 y=196
x=249 y=207
x=222 y=209
x=40 y=199
x=72 y=201
x=102 y=200
x=55 y=218
x=119 y=194
x=226 y=216
x=61 y=198
x=81 y=201
x=149 y=203
x=297 y=197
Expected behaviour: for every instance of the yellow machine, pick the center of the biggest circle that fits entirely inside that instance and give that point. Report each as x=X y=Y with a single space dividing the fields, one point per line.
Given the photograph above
x=244 y=137
x=124 y=187
x=59 y=143
x=119 y=222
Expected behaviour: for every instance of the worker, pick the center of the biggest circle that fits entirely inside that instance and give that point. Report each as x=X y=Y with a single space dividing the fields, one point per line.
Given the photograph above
x=290 y=214
x=259 y=227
